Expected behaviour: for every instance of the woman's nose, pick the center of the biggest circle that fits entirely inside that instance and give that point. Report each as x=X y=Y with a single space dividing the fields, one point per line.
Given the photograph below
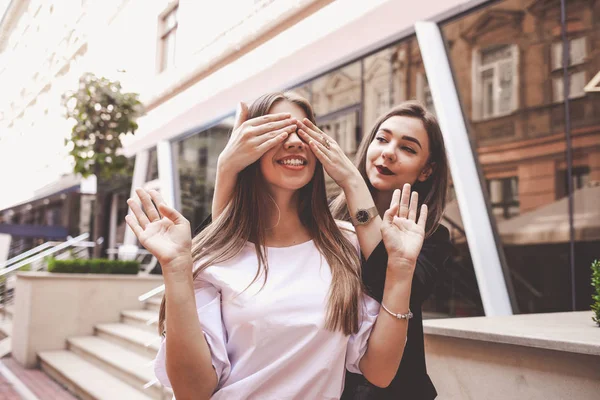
x=388 y=154
x=293 y=141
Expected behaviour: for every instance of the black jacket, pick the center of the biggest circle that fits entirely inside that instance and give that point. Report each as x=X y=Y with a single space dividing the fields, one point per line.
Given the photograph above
x=411 y=381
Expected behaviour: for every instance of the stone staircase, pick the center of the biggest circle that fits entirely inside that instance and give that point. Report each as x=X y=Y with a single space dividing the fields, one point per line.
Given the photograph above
x=115 y=363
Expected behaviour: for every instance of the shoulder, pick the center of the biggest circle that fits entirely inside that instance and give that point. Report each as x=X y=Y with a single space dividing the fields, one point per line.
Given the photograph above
x=440 y=235
x=348 y=230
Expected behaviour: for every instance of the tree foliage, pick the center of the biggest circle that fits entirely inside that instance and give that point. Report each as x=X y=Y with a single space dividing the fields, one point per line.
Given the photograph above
x=102 y=115
x=596 y=294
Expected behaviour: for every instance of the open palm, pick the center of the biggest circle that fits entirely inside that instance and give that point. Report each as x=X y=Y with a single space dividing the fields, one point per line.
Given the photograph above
x=167 y=237
x=402 y=233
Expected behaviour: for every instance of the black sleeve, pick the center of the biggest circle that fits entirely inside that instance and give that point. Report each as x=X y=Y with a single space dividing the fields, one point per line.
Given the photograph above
x=432 y=259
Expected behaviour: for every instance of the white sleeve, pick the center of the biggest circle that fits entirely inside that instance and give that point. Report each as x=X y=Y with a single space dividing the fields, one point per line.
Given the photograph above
x=357 y=344
x=208 y=304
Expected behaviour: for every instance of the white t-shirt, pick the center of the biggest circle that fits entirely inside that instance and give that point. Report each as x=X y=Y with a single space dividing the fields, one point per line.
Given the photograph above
x=271 y=343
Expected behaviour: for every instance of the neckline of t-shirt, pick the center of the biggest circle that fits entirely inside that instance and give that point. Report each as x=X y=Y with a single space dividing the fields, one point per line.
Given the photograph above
x=294 y=246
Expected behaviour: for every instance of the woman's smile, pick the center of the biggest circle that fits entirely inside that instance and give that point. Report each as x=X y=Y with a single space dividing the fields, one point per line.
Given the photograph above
x=294 y=163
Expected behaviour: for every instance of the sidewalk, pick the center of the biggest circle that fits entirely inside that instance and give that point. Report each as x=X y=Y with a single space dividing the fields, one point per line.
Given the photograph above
x=40 y=384
x=6 y=390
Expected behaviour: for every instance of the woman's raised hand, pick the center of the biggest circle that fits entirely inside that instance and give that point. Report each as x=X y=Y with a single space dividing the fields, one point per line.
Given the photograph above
x=402 y=232
x=252 y=138
x=167 y=237
x=337 y=165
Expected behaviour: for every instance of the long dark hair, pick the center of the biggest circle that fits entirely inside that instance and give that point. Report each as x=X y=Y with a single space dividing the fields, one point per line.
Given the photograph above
x=431 y=191
x=245 y=219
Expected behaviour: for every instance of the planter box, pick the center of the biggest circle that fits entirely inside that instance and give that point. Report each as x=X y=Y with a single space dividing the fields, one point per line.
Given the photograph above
x=552 y=356
x=51 y=307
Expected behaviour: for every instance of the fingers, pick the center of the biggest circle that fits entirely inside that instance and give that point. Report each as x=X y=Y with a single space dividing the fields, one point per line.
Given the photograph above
x=149 y=208
x=268 y=135
x=308 y=130
x=404 y=201
x=289 y=124
x=319 y=150
x=423 y=216
x=167 y=211
x=134 y=225
x=267 y=119
x=241 y=114
x=141 y=218
x=389 y=215
x=414 y=206
x=268 y=144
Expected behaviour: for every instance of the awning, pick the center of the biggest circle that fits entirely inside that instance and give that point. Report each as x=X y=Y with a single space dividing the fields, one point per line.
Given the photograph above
x=550 y=223
x=546 y=224
x=65 y=184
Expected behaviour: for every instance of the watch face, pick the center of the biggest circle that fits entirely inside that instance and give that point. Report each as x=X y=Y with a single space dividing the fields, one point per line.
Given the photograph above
x=362 y=216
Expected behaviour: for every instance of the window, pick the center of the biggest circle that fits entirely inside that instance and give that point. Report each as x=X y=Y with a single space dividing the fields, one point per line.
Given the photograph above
x=580 y=178
x=504 y=196
x=168 y=28
x=576 y=86
x=577 y=81
x=577 y=53
x=152 y=172
x=424 y=93
x=495 y=81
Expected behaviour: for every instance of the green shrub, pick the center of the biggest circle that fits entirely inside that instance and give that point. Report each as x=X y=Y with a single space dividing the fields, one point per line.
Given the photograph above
x=93 y=266
x=596 y=295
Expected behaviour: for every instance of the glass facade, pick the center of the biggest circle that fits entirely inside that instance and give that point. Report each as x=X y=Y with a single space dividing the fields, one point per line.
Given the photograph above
x=196 y=158
x=508 y=69
x=508 y=63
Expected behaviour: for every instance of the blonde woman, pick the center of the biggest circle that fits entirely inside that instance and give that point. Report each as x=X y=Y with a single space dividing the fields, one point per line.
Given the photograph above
x=267 y=301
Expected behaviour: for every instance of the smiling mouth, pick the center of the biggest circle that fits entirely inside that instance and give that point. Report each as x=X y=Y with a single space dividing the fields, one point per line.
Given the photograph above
x=293 y=163
x=383 y=170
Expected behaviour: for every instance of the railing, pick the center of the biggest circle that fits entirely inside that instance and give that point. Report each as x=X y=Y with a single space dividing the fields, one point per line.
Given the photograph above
x=34 y=258
x=26 y=254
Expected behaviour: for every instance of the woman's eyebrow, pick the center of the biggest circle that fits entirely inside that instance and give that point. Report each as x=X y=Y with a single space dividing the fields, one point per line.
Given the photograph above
x=404 y=137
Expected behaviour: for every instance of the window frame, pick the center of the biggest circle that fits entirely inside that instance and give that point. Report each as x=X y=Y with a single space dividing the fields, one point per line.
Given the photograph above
x=477 y=83
x=556 y=67
x=165 y=33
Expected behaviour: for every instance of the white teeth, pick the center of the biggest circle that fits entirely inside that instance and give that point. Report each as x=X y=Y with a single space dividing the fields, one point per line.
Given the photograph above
x=294 y=162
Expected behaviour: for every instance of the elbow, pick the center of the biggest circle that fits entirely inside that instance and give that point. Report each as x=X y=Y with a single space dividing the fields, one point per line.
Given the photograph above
x=380 y=381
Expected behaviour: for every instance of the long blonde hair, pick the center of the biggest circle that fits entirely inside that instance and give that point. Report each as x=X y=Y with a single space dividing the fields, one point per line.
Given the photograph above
x=432 y=191
x=245 y=217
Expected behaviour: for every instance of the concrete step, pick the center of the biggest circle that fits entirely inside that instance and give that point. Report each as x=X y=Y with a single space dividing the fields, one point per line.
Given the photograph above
x=132 y=338
x=85 y=380
x=5 y=327
x=153 y=304
x=128 y=366
x=144 y=319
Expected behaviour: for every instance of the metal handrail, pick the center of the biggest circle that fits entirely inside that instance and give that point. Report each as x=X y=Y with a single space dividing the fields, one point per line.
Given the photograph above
x=26 y=254
x=152 y=293
x=45 y=253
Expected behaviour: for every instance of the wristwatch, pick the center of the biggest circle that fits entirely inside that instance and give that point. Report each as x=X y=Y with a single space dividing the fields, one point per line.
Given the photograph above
x=363 y=216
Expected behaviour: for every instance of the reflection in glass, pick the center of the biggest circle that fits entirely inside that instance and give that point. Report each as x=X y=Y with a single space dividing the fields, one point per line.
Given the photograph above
x=196 y=159
x=336 y=90
x=513 y=85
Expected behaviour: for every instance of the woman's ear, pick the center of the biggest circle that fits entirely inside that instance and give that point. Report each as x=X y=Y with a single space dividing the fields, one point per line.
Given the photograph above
x=426 y=172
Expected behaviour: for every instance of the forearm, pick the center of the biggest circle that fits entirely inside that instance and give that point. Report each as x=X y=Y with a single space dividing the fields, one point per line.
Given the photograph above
x=358 y=197
x=188 y=357
x=388 y=337
x=224 y=186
